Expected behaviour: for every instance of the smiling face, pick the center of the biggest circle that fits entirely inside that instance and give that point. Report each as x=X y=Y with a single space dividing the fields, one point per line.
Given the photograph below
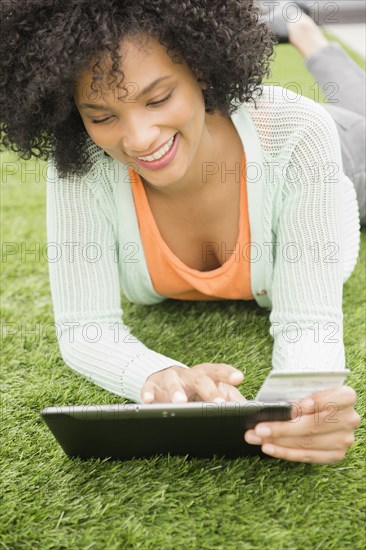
x=159 y=100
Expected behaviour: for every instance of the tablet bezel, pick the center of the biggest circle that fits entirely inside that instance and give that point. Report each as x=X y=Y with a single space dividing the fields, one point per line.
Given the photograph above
x=133 y=430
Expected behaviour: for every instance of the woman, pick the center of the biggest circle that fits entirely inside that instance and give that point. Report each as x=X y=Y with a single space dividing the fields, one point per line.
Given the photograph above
x=159 y=166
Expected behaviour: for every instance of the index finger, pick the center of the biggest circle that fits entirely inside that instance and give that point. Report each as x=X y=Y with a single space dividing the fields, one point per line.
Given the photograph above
x=342 y=397
x=223 y=372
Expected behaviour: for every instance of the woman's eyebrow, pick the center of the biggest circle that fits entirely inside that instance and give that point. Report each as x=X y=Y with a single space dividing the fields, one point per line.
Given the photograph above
x=145 y=91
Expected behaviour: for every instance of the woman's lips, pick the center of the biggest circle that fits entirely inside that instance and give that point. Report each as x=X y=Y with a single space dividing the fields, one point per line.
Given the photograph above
x=165 y=160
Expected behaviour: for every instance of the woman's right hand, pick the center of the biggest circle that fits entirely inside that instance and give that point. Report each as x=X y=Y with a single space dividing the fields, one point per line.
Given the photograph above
x=203 y=382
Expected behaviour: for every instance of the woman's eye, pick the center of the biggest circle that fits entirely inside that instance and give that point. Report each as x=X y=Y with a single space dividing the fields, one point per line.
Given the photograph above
x=99 y=121
x=154 y=103
x=162 y=100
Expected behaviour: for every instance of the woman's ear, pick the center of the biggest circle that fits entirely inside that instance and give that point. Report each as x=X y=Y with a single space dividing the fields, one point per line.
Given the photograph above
x=199 y=75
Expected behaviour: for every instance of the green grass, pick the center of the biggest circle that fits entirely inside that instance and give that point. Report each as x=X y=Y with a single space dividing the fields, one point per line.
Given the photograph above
x=52 y=502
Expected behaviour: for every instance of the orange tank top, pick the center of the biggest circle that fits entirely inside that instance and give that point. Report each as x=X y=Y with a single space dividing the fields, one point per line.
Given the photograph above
x=172 y=278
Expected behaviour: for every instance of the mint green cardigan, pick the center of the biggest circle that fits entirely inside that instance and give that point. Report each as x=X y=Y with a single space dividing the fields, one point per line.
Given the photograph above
x=305 y=233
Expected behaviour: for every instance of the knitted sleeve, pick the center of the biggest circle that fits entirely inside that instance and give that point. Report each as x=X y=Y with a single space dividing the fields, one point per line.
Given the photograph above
x=306 y=317
x=85 y=290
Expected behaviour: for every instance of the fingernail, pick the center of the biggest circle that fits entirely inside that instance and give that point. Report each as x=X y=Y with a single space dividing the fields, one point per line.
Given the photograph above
x=308 y=403
x=236 y=376
x=219 y=400
x=179 y=396
x=148 y=395
x=251 y=438
x=263 y=431
x=269 y=449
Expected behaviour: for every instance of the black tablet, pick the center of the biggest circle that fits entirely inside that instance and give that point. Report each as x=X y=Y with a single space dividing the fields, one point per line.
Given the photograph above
x=126 y=431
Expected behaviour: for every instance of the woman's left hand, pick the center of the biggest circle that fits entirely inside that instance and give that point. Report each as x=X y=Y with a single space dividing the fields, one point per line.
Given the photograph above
x=320 y=433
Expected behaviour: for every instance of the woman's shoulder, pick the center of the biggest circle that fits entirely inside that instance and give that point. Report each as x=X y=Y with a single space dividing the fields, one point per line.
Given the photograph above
x=280 y=114
x=105 y=173
x=98 y=184
x=277 y=101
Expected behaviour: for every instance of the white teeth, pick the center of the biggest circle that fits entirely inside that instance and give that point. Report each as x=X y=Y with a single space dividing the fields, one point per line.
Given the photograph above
x=159 y=154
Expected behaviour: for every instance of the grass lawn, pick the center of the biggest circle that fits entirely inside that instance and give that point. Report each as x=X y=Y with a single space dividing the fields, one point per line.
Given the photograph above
x=52 y=502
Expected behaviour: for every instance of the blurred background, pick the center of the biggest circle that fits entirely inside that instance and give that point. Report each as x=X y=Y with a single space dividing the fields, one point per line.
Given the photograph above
x=344 y=19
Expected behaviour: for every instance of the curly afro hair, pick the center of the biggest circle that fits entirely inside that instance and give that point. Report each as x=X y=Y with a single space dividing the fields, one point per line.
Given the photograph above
x=44 y=44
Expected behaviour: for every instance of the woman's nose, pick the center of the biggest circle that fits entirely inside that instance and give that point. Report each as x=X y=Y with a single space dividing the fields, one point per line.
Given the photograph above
x=138 y=140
